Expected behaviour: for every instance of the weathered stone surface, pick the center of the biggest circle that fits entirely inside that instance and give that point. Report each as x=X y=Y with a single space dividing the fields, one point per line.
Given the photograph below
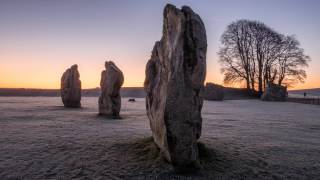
x=274 y=92
x=71 y=87
x=175 y=75
x=111 y=82
x=213 y=92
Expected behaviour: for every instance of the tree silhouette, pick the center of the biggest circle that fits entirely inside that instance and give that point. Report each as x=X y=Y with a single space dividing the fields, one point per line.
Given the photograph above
x=253 y=53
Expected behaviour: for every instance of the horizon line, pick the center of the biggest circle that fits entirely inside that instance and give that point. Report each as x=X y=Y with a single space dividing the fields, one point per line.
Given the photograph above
x=132 y=87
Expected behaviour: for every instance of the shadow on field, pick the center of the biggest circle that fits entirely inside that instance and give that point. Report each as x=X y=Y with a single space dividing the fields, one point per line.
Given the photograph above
x=145 y=156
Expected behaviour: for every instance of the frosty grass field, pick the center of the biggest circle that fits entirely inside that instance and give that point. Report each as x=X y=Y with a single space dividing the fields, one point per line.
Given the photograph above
x=40 y=139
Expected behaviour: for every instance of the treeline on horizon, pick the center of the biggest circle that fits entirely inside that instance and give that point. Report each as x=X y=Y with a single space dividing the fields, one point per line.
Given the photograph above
x=93 y=92
x=135 y=92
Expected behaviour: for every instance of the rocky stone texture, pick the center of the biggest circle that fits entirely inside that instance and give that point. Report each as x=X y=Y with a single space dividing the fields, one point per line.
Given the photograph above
x=71 y=87
x=213 y=92
x=175 y=75
x=111 y=82
x=275 y=92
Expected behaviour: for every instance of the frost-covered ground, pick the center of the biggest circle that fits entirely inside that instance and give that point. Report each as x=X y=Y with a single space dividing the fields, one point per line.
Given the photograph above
x=247 y=139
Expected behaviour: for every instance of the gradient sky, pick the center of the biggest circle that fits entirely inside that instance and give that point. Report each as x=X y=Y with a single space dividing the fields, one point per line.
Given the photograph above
x=40 y=39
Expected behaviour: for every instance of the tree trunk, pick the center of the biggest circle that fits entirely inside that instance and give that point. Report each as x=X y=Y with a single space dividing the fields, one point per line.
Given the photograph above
x=260 y=79
x=248 y=83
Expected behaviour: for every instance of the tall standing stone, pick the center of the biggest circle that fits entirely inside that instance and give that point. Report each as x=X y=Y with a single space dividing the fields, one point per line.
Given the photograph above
x=111 y=82
x=175 y=74
x=71 y=87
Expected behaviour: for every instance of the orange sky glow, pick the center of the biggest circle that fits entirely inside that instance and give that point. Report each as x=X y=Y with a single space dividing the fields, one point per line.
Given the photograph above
x=47 y=75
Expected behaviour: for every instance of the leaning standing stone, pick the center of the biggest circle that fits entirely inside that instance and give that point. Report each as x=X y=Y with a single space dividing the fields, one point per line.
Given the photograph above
x=71 y=87
x=175 y=75
x=111 y=82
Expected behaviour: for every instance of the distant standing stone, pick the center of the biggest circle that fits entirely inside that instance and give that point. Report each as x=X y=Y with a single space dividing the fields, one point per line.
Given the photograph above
x=132 y=100
x=275 y=92
x=213 y=92
x=71 y=87
x=111 y=82
x=175 y=75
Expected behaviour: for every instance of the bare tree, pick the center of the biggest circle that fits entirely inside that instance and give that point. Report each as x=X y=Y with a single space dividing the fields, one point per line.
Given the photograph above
x=291 y=61
x=236 y=56
x=255 y=54
x=265 y=46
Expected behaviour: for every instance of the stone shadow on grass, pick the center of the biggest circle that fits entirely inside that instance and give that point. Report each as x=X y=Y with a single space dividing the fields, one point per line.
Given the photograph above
x=108 y=117
x=59 y=108
x=145 y=156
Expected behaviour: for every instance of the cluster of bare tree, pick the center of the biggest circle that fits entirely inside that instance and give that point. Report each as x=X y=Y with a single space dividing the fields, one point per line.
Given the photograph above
x=255 y=54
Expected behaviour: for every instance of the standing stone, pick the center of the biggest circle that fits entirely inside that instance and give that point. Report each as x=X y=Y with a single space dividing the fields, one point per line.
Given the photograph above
x=71 y=87
x=213 y=92
x=274 y=92
x=175 y=75
x=111 y=82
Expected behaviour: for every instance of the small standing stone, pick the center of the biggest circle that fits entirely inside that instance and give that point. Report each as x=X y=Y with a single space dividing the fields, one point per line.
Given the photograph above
x=213 y=92
x=71 y=87
x=111 y=82
x=274 y=92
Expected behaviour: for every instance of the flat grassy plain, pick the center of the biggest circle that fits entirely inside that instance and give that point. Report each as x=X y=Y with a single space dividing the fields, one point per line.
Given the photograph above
x=241 y=139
